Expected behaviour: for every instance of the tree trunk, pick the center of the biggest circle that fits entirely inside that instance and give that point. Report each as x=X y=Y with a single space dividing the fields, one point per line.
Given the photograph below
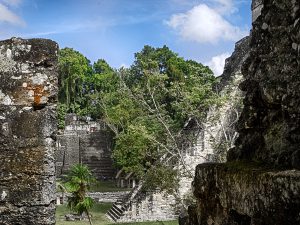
x=89 y=217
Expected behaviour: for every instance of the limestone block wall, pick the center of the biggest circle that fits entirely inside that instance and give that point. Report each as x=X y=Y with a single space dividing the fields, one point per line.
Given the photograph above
x=245 y=194
x=150 y=206
x=108 y=196
x=96 y=196
x=28 y=88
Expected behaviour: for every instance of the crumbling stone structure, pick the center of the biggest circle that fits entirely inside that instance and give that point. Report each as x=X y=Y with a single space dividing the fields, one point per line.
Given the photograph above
x=28 y=88
x=261 y=182
x=88 y=142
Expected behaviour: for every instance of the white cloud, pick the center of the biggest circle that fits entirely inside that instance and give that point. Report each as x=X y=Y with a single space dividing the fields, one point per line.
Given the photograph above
x=217 y=63
x=11 y=2
x=204 y=24
x=6 y=15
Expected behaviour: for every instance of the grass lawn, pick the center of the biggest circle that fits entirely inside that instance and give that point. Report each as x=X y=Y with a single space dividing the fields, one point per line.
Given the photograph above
x=98 y=217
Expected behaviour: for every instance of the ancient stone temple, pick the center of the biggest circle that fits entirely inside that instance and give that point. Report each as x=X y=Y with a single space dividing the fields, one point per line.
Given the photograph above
x=260 y=183
x=88 y=142
x=28 y=88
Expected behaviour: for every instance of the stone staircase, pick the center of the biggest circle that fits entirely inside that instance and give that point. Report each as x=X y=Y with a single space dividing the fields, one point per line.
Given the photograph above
x=116 y=211
x=100 y=167
x=95 y=152
x=121 y=205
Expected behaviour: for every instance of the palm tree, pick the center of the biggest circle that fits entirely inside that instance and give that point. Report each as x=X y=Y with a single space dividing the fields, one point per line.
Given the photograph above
x=78 y=183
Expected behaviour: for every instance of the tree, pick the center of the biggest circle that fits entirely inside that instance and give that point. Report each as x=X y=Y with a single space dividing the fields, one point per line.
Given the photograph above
x=104 y=81
x=102 y=67
x=74 y=73
x=78 y=183
x=149 y=109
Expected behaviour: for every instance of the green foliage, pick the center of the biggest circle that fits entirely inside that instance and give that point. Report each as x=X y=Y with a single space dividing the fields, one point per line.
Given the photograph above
x=61 y=113
x=79 y=180
x=74 y=71
x=80 y=84
x=181 y=88
x=154 y=179
x=102 y=67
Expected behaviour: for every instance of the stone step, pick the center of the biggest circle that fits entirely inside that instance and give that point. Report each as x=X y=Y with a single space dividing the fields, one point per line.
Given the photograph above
x=118 y=210
x=111 y=216
x=115 y=213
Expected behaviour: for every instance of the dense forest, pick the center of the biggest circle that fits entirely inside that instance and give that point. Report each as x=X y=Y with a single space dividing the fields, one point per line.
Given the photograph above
x=146 y=106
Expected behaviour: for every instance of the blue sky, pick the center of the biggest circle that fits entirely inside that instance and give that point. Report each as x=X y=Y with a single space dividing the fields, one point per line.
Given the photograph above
x=202 y=30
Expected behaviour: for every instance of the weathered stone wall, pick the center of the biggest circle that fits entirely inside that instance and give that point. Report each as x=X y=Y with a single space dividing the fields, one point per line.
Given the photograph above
x=95 y=152
x=28 y=88
x=67 y=153
x=246 y=194
x=154 y=206
x=270 y=123
x=140 y=206
x=261 y=184
x=108 y=196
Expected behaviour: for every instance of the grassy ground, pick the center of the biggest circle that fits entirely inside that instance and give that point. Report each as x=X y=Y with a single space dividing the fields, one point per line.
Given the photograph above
x=99 y=218
x=98 y=215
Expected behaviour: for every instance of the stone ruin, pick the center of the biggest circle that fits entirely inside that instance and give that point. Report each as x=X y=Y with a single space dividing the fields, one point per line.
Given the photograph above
x=28 y=89
x=260 y=183
x=88 y=142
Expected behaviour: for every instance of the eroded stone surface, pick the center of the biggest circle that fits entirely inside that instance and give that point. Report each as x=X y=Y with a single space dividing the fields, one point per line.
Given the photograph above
x=246 y=194
x=269 y=126
x=26 y=72
x=28 y=90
